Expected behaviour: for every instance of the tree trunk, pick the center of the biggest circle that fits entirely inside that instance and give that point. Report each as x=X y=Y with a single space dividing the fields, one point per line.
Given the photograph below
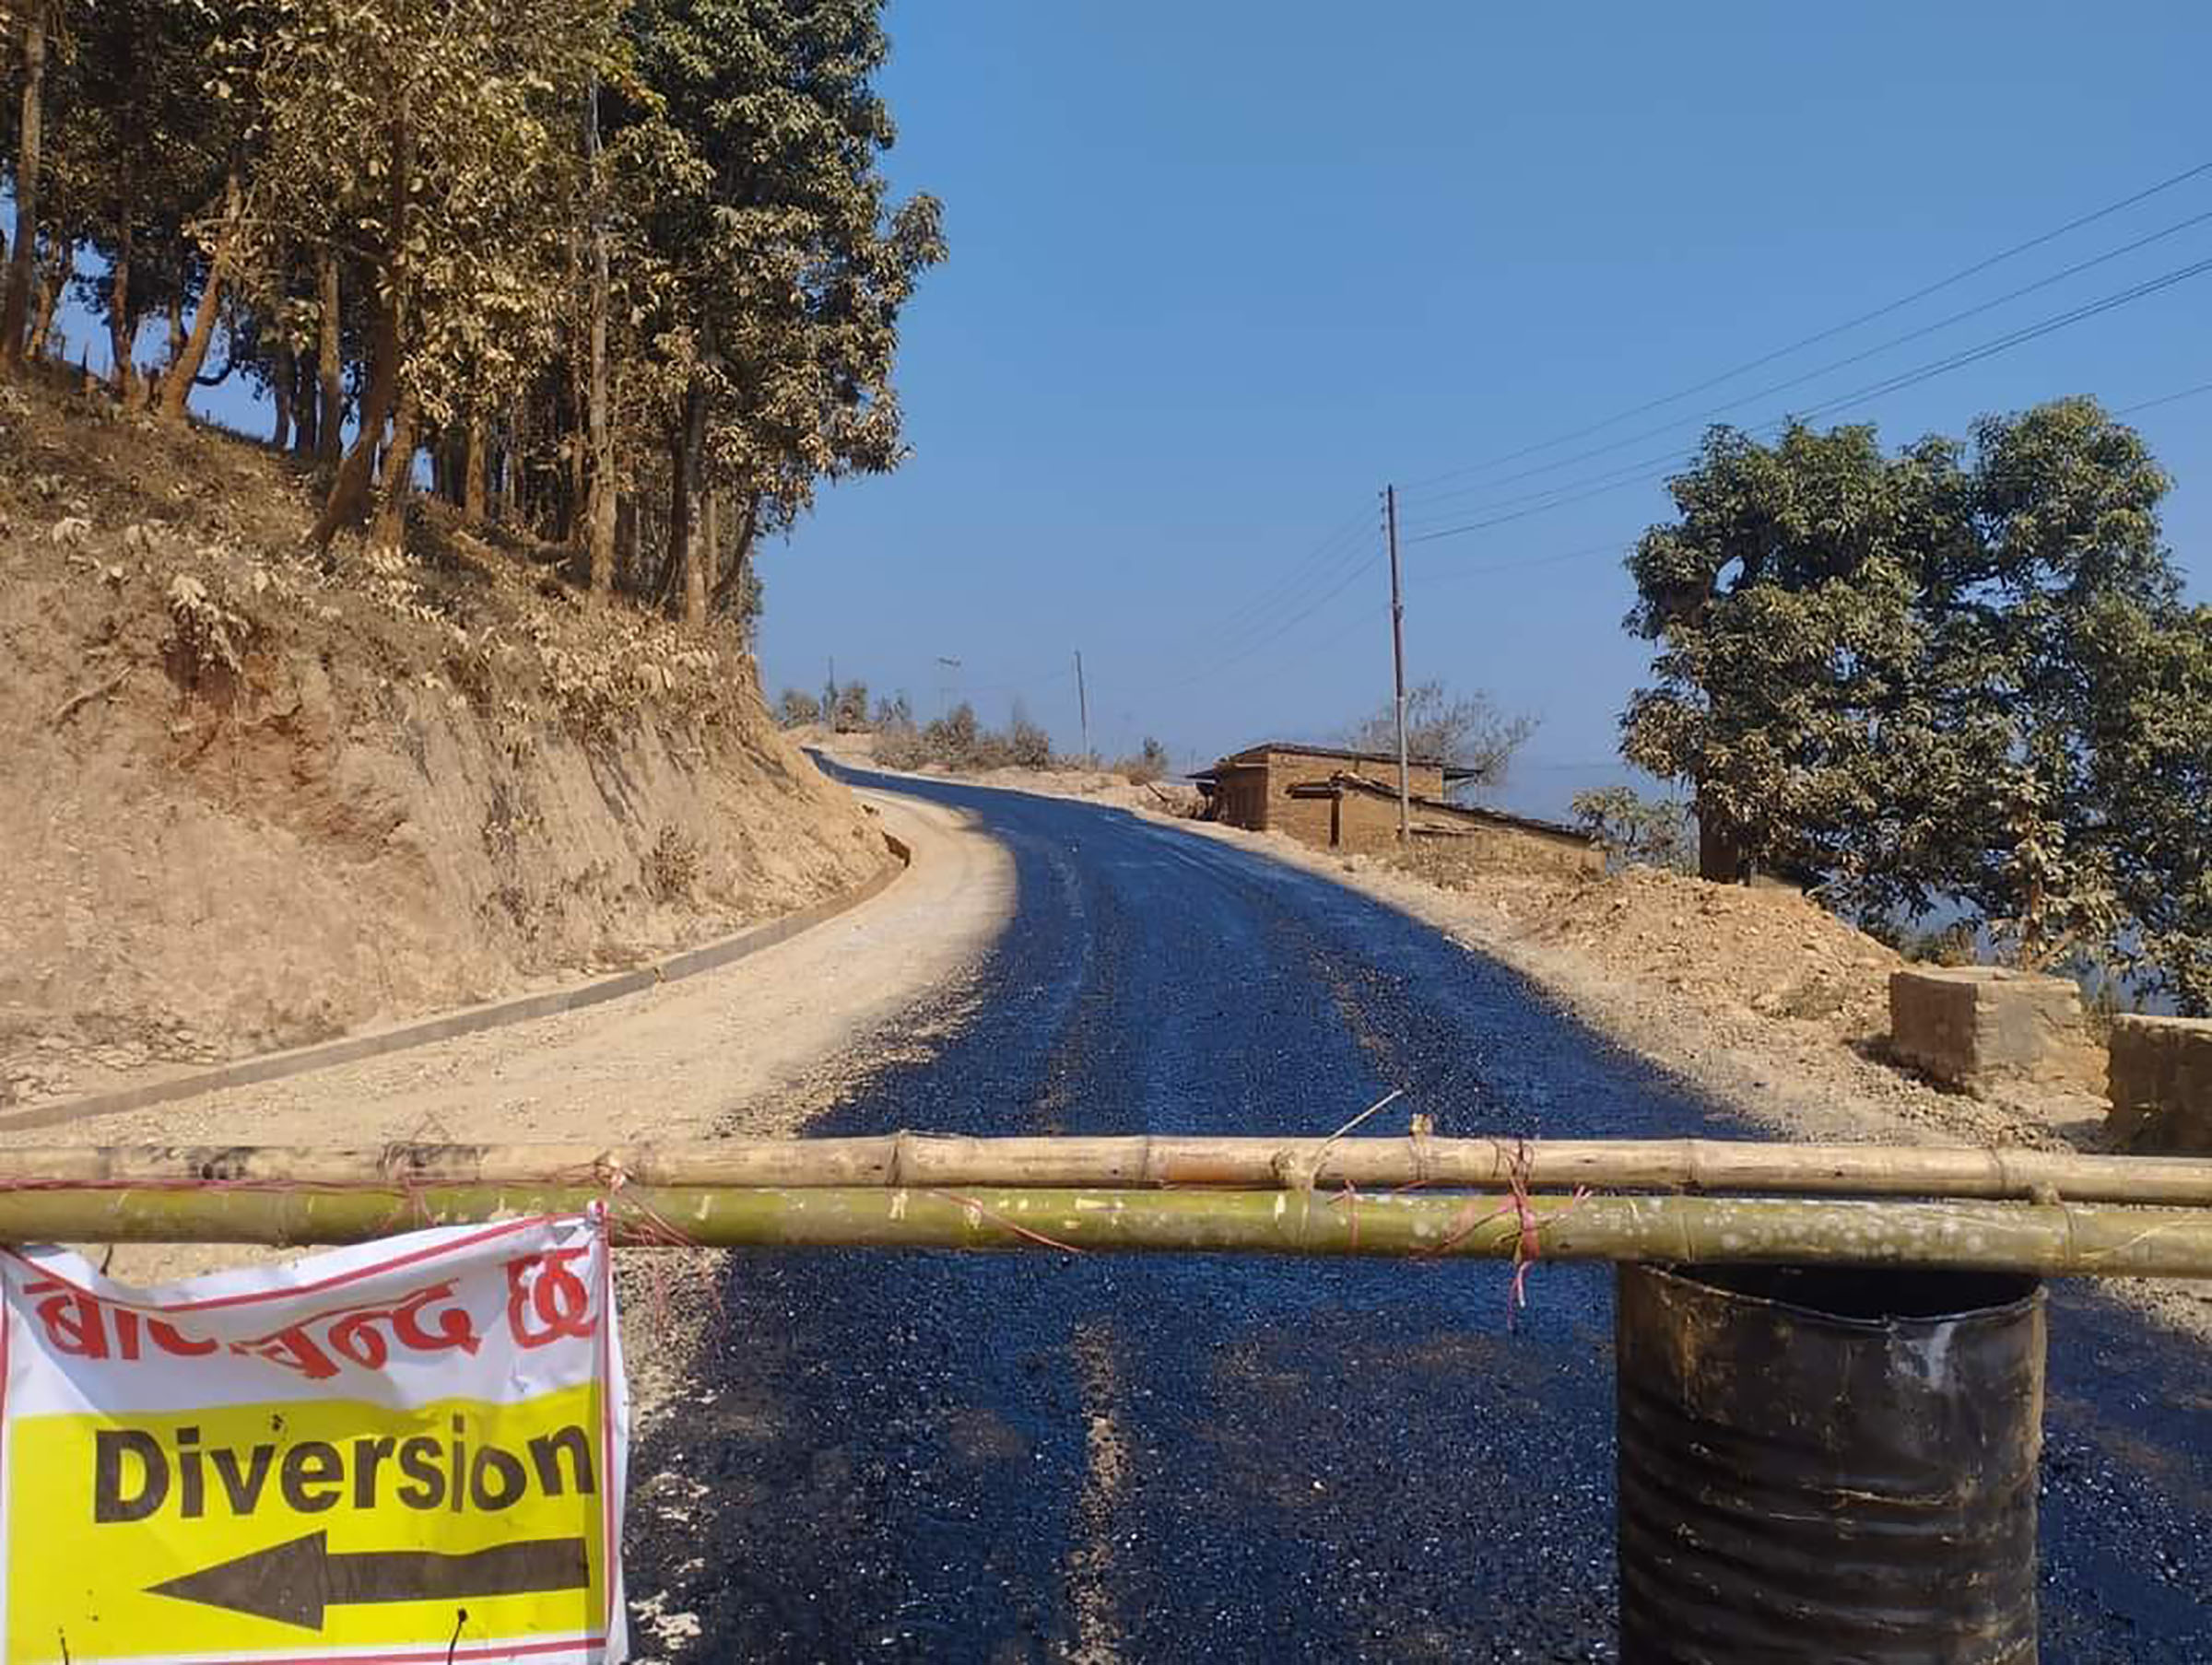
x=729 y=588
x=330 y=371
x=52 y=280
x=305 y=426
x=123 y=333
x=626 y=535
x=599 y=514
x=391 y=529
x=688 y=541
x=711 y=562
x=280 y=391
x=1721 y=854
x=472 y=472
x=15 y=306
x=518 y=466
x=349 y=499
x=176 y=383
x=675 y=551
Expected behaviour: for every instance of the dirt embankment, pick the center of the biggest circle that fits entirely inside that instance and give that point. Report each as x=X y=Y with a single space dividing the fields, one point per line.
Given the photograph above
x=258 y=797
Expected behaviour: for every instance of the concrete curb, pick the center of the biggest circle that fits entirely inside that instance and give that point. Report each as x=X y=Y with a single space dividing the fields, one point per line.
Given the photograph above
x=491 y=1014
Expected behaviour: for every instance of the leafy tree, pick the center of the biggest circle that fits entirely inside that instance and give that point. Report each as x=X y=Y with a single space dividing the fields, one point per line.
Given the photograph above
x=797 y=709
x=2151 y=761
x=629 y=272
x=1653 y=831
x=760 y=254
x=1027 y=744
x=1791 y=650
x=1464 y=732
x=952 y=739
x=849 y=711
x=1152 y=763
x=1923 y=676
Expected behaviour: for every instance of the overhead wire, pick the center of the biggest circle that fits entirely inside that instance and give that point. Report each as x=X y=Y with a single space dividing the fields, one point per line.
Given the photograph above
x=1815 y=374
x=2187 y=392
x=1238 y=655
x=1324 y=564
x=1827 y=333
x=1569 y=493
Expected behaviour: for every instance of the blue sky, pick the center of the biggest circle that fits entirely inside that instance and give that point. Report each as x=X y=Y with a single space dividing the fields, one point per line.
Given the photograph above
x=1219 y=271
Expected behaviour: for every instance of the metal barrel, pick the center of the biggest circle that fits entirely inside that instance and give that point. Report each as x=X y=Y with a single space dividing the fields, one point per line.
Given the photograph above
x=1827 y=1463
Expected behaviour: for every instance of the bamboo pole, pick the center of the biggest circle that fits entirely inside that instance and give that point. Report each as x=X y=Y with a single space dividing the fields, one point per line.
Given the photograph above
x=1144 y=1161
x=2070 y=1239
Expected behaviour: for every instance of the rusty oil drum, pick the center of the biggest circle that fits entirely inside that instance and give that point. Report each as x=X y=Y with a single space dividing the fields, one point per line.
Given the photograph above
x=1828 y=1464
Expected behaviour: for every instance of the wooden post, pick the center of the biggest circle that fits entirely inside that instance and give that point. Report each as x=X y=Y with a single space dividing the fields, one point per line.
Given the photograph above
x=1397 y=663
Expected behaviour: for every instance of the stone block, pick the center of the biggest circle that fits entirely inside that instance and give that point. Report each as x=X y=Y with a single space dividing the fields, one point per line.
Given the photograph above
x=2161 y=1085
x=1980 y=1027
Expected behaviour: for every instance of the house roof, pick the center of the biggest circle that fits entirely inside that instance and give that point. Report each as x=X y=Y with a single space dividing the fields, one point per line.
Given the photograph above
x=1252 y=756
x=1345 y=779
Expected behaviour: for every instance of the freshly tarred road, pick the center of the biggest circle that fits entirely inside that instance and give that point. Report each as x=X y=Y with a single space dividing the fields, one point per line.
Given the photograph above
x=1039 y=1455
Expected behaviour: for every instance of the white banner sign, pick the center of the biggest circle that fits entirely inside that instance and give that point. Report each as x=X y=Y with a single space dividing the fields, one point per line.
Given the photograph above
x=404 y=1453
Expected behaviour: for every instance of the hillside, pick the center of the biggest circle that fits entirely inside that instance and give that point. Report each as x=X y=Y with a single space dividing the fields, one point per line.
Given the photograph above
x=259 y=796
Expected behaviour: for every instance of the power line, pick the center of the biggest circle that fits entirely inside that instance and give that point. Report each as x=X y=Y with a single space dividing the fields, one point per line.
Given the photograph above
x=1828 y=334
x=2187 y=392
x=2034 y=332
x=1568 y=492
x=1325 y=561
x=1236 y=658
x=1460 y=574
x=1812 y=375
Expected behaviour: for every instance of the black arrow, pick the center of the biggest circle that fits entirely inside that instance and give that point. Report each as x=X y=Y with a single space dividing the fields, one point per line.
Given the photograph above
x=292 y=1583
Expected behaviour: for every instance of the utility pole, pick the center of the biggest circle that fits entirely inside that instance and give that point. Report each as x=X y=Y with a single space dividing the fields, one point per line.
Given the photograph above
x=1397 y=660
x=1083 y=702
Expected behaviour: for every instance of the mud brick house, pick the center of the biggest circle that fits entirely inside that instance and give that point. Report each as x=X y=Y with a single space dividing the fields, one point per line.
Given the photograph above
x=1342 y=799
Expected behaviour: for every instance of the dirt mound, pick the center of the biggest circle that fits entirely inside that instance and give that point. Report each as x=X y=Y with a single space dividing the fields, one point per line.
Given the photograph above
x=1771 y=953
x=259 y=796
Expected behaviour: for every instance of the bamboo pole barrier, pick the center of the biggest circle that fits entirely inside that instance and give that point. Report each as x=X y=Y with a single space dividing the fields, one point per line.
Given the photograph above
x=1143 y=1161
x=2068 y=1239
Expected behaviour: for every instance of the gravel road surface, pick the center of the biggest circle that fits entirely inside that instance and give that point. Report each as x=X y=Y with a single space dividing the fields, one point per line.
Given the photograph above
x=1046 y=1456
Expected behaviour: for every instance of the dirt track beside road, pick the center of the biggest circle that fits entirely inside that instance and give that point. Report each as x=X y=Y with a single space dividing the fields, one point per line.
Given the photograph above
x=753 y=1048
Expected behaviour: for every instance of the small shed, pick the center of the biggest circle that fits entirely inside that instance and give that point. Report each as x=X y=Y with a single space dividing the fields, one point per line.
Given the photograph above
x=1334 y=798
x=1261 y=787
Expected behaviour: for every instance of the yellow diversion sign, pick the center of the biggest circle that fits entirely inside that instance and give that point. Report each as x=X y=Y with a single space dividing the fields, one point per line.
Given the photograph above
x=409 y=1453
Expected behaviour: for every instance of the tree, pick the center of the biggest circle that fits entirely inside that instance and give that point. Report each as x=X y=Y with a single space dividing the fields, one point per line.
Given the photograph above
x=1652 y=831
x=30 y=19
x=2151 y=761
x=1027 y=744
x=952 y=738
x=797 y=709
x=1790 y=690
x=849 y=711
x=628 y=270
x=1933 y=676
x=762 y=255
x=1464 y=732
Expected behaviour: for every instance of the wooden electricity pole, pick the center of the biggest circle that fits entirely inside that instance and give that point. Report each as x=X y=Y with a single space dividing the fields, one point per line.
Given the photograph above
x=1082 y=702
x=1397 y=660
